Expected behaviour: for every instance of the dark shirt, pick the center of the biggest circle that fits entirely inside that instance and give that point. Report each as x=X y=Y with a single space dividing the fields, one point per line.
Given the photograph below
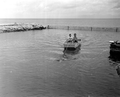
x=75 y=39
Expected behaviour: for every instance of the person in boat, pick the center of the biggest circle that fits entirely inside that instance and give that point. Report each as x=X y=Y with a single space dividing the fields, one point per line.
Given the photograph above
x=117 y=42
x=70 y=38
x=75 y=39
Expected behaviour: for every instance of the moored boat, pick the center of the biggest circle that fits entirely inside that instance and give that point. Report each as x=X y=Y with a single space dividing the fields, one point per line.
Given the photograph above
x=115 y=49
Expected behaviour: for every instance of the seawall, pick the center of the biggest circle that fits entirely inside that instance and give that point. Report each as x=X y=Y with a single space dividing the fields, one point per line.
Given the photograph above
x=20 y=27
x=25 y=27
x=109 y=29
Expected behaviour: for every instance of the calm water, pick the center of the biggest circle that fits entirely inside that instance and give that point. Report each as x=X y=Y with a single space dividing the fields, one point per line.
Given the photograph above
x=115 y=22
x=32 y=65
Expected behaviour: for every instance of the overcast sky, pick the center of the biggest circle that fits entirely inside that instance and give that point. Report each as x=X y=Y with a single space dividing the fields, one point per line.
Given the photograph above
x=59 y=8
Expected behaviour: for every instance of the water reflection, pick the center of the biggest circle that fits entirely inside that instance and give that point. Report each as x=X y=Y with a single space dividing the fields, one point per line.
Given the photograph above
x=114 y=60
x=118 y=69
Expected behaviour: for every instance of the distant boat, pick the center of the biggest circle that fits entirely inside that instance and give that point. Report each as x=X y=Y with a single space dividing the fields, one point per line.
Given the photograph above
x=72 y=47
x=115 y=49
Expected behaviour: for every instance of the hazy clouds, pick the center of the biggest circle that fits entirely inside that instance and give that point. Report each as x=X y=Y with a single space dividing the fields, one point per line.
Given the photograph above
x=59 y=8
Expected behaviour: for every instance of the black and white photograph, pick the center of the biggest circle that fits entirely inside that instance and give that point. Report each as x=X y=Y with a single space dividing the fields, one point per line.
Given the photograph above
x=59 y=48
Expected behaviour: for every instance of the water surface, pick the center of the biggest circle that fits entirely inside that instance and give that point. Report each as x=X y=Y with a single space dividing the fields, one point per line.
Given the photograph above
x=90 y=22
x=32 y=65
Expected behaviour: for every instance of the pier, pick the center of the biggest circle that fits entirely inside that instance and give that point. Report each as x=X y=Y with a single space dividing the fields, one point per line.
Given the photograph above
x=25 y=27
x=20 y=27
x=109 y=29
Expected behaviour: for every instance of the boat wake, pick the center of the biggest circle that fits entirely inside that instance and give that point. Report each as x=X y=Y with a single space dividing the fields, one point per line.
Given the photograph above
x=68 y=57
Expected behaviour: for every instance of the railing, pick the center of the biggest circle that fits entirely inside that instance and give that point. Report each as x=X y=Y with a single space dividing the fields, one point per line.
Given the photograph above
x=109 y=29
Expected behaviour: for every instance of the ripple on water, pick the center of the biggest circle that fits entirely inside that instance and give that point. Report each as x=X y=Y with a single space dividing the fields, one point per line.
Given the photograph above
x=40 y=68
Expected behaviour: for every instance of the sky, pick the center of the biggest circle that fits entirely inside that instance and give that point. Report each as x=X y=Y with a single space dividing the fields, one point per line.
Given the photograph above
x=59 y=8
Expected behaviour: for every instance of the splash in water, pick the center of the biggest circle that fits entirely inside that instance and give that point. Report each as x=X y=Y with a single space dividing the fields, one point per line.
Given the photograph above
x=67 y=56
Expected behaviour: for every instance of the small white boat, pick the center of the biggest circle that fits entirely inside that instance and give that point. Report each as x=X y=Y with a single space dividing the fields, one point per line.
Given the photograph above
x=72 y=47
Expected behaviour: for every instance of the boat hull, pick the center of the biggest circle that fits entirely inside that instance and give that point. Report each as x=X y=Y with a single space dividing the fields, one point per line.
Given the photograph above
x=72 y=49
x=115 y=51
x=115 y=48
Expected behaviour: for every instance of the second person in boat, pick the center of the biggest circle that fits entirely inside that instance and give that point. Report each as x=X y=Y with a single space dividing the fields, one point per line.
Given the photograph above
x=75 y=39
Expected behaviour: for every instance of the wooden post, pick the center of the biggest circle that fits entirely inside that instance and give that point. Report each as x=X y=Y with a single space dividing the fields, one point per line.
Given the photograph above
x=91 y=28
x=68 y=27
x=48 y=27
x=116 y=29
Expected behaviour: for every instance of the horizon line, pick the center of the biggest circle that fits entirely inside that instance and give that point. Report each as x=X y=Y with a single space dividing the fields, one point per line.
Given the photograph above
x=63 y=18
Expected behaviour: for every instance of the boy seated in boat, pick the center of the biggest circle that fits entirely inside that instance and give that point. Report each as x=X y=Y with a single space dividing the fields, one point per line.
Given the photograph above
x=75 y=39
x=70 y=38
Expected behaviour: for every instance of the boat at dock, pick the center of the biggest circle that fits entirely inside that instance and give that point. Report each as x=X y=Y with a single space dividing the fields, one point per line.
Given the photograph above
x=115 y=49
